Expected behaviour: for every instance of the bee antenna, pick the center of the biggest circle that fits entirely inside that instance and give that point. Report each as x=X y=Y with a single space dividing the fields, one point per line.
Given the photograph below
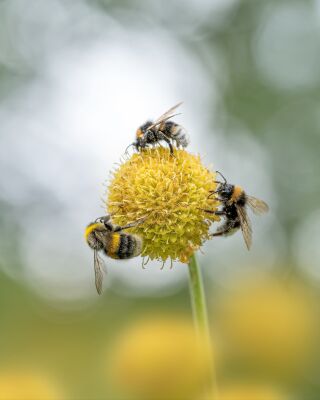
x=218 y=172
x=132 y=144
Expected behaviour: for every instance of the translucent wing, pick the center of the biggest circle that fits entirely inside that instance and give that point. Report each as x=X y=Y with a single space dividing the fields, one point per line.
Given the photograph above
x=162 y=120
x=164 y=117
x=245 y=225
x=167 y=114
x=256 y=205
x=98 y=274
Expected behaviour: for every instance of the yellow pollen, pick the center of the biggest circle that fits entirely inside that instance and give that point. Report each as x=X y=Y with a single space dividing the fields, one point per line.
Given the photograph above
x=171 y=192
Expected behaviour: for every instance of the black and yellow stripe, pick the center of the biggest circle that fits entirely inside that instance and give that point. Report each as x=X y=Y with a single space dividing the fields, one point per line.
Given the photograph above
x=122 y=246
x=91 y=228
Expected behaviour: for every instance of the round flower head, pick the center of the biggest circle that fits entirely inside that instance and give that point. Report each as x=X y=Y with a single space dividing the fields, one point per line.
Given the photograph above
x=159 y=357
x=170 y=192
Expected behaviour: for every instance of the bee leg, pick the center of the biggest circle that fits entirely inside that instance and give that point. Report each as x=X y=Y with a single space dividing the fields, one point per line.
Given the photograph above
x=121 y=228
x=144 y=262
x=214 y=212
x=166 y=139
x=225 y=229
x=220 y=233
x=131 y=225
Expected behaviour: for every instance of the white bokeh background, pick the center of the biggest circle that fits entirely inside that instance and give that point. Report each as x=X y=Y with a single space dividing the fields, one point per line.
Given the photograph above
x=93 y=80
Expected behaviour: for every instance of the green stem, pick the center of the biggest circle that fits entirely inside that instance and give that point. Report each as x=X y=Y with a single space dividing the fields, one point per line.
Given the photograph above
x=200 y=316
x=197 y=295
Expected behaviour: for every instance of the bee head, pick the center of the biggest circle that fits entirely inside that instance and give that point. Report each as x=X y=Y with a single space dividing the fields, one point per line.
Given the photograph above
x=225 y=191
x=141 y=139
x=105 y=221
x=91 y=237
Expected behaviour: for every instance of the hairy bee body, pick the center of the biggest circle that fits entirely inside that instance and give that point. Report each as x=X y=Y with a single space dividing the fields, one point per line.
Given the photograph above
x=115 y=245
x=103 y=236
x=123 y=246
x=232 y=221
x=234 y=202
x=162 y=129
x=176 y=132
x=231 y=198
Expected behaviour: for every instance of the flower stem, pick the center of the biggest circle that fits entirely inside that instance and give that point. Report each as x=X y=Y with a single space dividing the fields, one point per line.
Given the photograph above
x=197 y=295
x=200 y=316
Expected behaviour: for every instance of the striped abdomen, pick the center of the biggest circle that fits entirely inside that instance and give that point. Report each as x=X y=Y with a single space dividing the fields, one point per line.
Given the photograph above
x=175 y=132
x=123 y=246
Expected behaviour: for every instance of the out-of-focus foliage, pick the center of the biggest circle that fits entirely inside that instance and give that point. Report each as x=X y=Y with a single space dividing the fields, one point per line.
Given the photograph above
x=76 y=80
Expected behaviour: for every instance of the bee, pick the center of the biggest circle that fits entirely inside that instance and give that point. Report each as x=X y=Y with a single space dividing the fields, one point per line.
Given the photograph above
x=234 y=201
x=151 y=132
x=103 y=235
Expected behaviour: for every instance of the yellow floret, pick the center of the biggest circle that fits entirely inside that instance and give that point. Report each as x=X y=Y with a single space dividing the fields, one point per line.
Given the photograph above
x=171 y=191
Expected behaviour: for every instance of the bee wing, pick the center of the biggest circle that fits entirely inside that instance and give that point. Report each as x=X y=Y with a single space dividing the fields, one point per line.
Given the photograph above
x=162 y=120
x=164 y=117
x=168 y=114
x=245 y=225
x=257 y=206
x=98 y=274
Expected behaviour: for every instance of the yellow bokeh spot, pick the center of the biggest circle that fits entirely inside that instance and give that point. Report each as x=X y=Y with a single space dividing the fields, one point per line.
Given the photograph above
x=171 y=192
x=23 y=385
x=161 y=358
x=270 y=324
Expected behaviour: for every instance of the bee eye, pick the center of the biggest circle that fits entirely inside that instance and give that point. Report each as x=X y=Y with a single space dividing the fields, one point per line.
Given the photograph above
x=100 y=220
x=224 y=193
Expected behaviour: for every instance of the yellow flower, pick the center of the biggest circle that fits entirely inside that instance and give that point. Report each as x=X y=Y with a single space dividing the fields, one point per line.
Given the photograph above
x=160 y=358
x=22 y=385
x=271 y=326
x=170 y=191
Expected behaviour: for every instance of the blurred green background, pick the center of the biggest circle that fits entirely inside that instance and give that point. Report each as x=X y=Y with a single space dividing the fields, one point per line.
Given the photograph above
x=76 y=80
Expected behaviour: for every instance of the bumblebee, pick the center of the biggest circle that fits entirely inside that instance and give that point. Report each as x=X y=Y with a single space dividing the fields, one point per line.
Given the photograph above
x=234 y=201
x=102 y=235
x=151 y=132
